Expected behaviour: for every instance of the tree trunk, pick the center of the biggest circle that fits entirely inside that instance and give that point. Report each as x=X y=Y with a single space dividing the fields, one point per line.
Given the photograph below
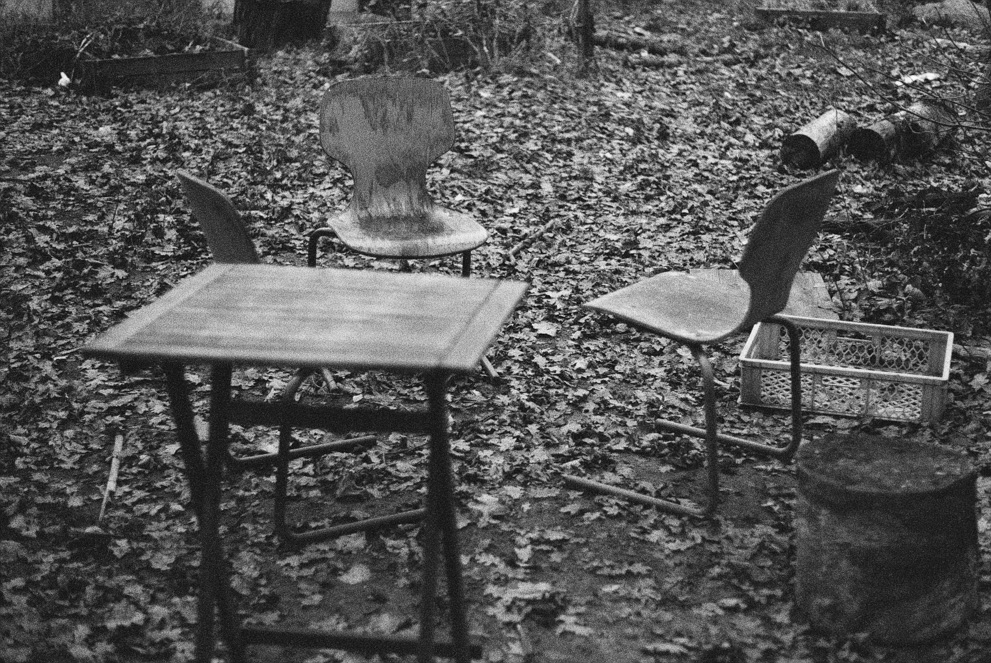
x=584 y=32
x=818 y=141
x=268 y=24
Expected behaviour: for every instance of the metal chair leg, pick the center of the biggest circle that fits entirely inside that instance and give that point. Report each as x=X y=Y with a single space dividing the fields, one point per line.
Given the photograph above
x=795 y=356
x=308 y=451
x=579 y=483
x=786 y=452
x=286 y=453
x=711 y=435
x=313 y=242
x=711 y=456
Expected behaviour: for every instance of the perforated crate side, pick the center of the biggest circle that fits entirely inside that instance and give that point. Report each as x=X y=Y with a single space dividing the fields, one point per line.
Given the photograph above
x=850 y=369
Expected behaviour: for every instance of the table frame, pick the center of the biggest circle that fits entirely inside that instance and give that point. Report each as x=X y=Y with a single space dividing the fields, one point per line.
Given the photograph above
x=205 y=476
x=236 y=314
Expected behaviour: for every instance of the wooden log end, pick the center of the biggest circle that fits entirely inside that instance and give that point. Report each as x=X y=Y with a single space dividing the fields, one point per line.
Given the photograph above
x=800 y=151
x=869 y=144
x=819 y=140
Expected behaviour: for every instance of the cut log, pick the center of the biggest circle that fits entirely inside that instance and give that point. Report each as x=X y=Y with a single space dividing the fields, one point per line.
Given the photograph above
x=878 y=142
x=818 y=141
x=885 y=538
x=661 y=45
x=907 y=134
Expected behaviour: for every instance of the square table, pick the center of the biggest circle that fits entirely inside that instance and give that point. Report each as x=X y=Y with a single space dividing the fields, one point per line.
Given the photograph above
x=266 y=315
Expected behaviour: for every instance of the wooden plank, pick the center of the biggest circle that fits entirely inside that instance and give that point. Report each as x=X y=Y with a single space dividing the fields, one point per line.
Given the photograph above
x=170 y=67
x=819 y=19
x=111 y=341
x=176 y=63
x=476 y=336
x=808 y=298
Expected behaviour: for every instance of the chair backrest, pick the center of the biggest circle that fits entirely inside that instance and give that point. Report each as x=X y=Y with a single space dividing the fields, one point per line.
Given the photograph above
x=225 y=232
x=387 y=131
x=779 y=241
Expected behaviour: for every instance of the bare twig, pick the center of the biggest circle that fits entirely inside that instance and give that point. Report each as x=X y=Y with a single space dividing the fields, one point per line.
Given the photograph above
x=112 y=479
x=915 y=88
x=532 y=237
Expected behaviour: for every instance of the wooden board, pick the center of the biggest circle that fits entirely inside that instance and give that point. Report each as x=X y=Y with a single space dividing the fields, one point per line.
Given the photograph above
x=823 y=20
x=809 y=297
x=172 y=67
x=270 y=315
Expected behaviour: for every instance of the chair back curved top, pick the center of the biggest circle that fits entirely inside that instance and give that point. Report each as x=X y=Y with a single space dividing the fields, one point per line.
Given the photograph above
x=225 y=232
x=387 y=131
x=779 y=241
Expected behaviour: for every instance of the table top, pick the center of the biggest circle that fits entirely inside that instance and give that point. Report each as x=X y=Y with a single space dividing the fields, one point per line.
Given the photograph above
x=269 y=315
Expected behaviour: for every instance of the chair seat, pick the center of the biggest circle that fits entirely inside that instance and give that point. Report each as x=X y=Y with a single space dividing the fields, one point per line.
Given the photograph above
x=435 y=232
x=690 y=308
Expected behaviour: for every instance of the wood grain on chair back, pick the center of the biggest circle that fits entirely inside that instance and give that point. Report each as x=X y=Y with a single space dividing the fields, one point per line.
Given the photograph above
x=387 y=131
x=780 y=240
x=225 y=232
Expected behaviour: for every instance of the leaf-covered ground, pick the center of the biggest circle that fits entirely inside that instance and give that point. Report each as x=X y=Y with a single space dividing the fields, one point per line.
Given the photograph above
x=643 y=170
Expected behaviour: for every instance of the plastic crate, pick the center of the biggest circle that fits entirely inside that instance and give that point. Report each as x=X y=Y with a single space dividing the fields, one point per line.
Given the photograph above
x=850 y=369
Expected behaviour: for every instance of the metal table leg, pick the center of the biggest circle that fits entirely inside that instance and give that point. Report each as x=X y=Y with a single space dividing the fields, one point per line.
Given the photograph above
x=441 y=536
x=204 y=483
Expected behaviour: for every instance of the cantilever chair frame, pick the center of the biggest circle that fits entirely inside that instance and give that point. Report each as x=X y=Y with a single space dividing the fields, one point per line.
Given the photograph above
x=766 y=301
x=230 y=243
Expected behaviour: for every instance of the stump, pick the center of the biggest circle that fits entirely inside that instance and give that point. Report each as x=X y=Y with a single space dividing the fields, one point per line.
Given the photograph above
x=886 y=538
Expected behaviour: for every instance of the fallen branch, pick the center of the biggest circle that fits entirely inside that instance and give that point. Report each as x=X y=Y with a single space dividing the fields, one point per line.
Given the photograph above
x=971 y=353
x=112 y=480
x=532 y=237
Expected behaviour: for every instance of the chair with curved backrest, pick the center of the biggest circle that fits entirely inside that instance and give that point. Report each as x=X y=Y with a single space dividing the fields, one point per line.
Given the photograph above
x=387 y=132
x=225 y=232
x=700 y=311
x=230 y=243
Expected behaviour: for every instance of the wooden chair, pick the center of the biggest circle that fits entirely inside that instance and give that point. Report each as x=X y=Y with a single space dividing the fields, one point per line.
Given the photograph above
x=230 y=243
x=387 y=132
x=697 y=312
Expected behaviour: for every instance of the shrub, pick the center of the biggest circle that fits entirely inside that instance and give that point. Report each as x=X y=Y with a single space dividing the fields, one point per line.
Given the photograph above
x=36 y=51
x=442 y=35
